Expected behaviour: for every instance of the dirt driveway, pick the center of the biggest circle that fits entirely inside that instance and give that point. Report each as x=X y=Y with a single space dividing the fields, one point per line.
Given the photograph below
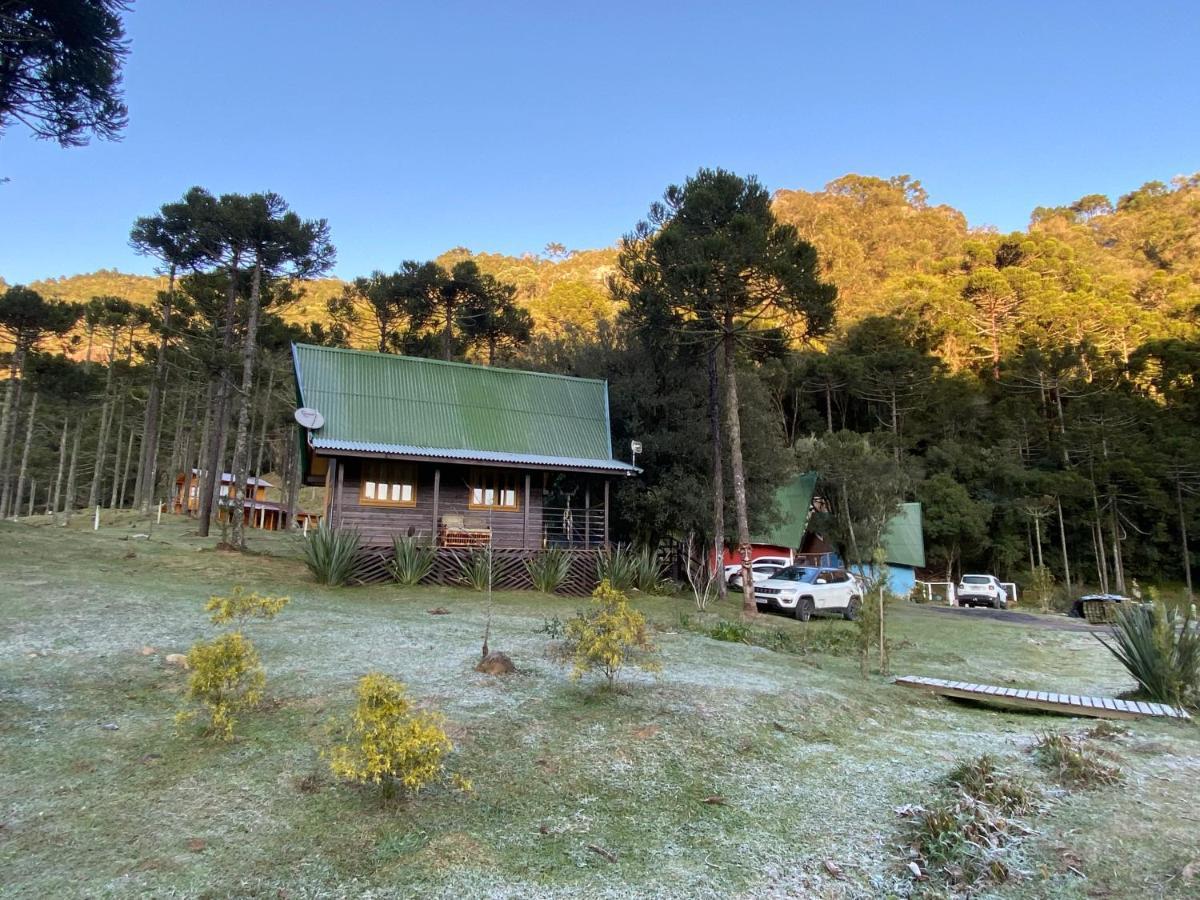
x=1058 y=622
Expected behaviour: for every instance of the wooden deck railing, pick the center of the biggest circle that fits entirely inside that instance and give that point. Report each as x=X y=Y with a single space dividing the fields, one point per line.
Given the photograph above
x=509 y=571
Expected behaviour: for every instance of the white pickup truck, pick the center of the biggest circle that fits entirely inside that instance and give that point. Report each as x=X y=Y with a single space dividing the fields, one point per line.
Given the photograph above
x=804 y=590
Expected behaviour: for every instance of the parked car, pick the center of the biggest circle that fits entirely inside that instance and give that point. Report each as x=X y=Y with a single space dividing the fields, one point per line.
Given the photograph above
x=760 y=571
x=804 y=590
x=1098 y=605
x=736 y=568
x=982 y=590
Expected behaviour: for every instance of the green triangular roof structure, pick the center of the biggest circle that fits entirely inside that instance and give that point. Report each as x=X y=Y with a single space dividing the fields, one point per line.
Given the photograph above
x=903 y=542
x=381 y=403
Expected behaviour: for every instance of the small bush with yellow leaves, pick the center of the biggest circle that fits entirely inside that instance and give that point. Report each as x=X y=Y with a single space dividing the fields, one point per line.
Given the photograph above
x=226 y=678
x=240 y=607
x=608 y=636
x=390 y=743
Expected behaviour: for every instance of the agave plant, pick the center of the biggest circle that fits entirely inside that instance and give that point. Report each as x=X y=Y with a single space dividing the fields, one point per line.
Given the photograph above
x=330 y=553
x=648 y=574
x=618 y=566
x=1160 y=649
x=475 y=569
x=411 y=560
x=549 y=569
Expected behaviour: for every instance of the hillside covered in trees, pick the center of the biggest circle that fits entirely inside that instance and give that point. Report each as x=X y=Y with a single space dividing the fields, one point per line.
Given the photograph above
x=1036 y=390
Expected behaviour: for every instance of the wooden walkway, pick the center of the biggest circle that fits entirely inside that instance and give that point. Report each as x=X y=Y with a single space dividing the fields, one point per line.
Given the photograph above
x=1070 y=704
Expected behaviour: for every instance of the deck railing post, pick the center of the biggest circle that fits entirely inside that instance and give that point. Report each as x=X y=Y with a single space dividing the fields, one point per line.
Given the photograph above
x=437 y=493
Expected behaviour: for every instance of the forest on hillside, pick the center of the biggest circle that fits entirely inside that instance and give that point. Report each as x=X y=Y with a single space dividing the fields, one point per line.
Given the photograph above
x=1035 y=390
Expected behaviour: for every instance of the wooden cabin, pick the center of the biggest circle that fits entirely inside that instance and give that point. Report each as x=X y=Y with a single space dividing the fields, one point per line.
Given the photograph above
x=257 y=510
x=461 y=456
x=189 y=484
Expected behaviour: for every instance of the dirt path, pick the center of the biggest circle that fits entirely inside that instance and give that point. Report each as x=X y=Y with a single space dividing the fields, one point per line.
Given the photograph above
x=1057 y=622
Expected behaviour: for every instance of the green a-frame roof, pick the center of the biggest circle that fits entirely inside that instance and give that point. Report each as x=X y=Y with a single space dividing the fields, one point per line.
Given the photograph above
x=404 y=406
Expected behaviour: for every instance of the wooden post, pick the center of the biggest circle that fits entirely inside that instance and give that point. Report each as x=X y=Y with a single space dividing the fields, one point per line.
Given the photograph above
x=330 y=484
x=587 y=515
x=605 y=512
x=437 y=499
x=340 y=481
x=525 y=523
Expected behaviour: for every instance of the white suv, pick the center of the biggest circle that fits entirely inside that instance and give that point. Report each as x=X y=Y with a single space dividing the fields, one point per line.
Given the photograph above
x=804 y=590
x=982 y=590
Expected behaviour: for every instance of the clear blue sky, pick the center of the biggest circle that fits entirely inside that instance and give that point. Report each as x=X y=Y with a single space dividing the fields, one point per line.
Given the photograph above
x=503 y=126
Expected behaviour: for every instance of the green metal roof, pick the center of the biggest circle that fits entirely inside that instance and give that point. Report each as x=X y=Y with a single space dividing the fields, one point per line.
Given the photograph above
x=794 y=502
x=903 y=541
x=403 y=405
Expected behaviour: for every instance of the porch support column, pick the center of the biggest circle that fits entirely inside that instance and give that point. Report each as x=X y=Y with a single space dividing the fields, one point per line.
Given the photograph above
x=525 y=521
x=587 y=515
x=437 y=496
x=330 y=495
x=340 y=480
x=605 y=512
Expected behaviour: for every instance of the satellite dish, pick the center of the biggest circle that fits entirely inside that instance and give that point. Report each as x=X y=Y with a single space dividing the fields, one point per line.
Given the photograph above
x=309 y=418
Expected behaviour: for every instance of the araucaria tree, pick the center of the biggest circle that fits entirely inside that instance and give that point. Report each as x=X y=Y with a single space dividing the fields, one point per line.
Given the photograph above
x=60 y=68
x=279 y=246
x=712 y=260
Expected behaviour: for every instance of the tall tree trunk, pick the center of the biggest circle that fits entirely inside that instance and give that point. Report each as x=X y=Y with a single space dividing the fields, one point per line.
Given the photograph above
x=147 y=470
x=16 y=507
x=120 y=494
x=117 y=445
x=193 y=468
x=179 y=459
x=1062 y=534
x=215 y=458
x=718 y=470
x=448 y=332
x=1183 y=538
x=241 y=444
x=8 y=419
x=105 y=423
x=62 y=462
x=1118 y=561
x=68 y=506
x=734 y=426
x=262 y=438
x=293 y=477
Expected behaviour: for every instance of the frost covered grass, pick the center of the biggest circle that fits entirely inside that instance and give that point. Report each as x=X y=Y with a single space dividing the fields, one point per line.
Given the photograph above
x=739 y=771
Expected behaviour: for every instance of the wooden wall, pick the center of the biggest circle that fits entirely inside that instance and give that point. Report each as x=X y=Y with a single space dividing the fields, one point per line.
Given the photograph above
x=520 y=528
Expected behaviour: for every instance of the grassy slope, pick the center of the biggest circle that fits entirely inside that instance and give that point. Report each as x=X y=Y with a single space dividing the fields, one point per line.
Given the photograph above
x=810 y=759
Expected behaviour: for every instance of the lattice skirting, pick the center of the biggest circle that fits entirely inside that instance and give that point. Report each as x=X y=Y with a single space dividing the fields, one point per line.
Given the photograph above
x=508 y=572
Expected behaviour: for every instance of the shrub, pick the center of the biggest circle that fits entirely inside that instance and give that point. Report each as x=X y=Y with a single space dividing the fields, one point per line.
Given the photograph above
x=411 y=561
x=609 y=636
x=1161 y=650
x=1073 y=762
x=330 y=553
x=226 y=678
x=390 y=743
x=549 y=569
x=475 y=569
x=1040 y=587
x=616 y=565
x=734 y=632
x=648 y=572
x=965 y=835
x=240 y=607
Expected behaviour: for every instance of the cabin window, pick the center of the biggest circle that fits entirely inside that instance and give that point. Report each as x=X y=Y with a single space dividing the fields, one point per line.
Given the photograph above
x=493 y=489
x=388 y=484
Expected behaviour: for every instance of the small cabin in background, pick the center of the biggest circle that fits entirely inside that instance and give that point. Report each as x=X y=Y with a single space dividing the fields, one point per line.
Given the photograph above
x=257 y=511
x=460 y=456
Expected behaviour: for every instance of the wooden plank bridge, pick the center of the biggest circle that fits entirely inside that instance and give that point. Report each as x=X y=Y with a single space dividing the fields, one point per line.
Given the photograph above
x=1069 y=704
